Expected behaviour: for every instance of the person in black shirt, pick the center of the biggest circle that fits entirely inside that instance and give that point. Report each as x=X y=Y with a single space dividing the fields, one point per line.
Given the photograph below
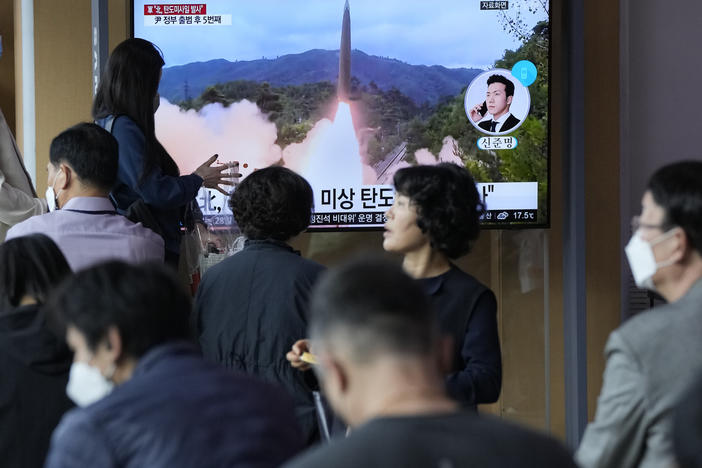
x=34 y=359
x=435 y=218
x=253 y=306
x=378 y=350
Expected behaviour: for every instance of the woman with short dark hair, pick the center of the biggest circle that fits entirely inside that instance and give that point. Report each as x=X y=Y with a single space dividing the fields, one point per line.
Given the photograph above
x=34 y=361
x=273 y=203
x=435 y=219
x=253 y=306
x=125 y=103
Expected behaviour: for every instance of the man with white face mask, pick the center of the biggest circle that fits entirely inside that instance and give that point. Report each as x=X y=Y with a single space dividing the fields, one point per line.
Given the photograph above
x=146 y=396
x=654 y=356
x=83 y=166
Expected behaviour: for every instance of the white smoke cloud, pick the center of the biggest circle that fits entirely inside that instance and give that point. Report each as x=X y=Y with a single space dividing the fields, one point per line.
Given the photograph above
x=295 y=154
x=446 y=154
x=239 y=132
x=424 y=156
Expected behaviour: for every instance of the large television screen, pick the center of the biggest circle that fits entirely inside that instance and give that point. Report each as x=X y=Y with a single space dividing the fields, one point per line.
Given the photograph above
x=347 y=92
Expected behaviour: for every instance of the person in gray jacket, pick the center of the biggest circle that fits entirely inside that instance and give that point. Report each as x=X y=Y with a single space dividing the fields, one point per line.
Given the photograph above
x=18 y=201
x=653 y=357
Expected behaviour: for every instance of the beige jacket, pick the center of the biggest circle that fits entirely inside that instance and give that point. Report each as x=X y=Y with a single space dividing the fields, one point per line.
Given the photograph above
x=18 y=200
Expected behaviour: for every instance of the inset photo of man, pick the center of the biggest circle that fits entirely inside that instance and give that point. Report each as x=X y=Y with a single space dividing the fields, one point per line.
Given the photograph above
x=496 y=103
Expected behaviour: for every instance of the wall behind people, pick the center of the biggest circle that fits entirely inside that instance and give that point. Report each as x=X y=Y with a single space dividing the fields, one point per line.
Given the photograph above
x=63 y=63
x=601 y=185
x=661 y=105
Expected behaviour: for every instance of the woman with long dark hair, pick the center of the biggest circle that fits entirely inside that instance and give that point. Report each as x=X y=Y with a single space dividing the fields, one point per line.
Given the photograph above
x=35 y=361
x=125 y=103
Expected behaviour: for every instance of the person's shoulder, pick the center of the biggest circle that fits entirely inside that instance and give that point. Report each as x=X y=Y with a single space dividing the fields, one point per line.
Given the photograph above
x=224 y=268
x=125 y=129
x=312 y=266
x=346 y=452
x=124 y=122
x=469 y=283
x=648 y=325
x=75 y=421
x=34 y=225
x=284 y=255
x=140 y=232
x=414 y=441
x=485 y=125
x=524 y=441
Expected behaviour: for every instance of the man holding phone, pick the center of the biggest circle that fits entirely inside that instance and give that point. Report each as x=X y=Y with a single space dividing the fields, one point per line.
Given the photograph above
x=498 y=100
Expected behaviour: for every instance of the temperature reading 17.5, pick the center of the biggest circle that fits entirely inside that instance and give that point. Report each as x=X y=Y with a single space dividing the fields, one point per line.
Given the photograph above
x=524 y=215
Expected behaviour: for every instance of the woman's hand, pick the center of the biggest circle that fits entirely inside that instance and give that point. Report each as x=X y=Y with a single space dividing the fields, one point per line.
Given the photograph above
x=295 y=353
x=213 y=177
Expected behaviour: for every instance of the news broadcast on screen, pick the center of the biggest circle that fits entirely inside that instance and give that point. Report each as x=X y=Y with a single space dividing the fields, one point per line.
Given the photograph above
x=347 y=92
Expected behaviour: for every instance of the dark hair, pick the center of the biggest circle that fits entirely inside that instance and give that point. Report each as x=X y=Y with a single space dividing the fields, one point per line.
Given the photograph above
x=90 y=151
x=128 y=87
x=272 y=203
x=687 y=427
x=677 y=188
x=146 y=304
x=447 y=202
x=30 y=266
x=375 y=307
x=509 y=85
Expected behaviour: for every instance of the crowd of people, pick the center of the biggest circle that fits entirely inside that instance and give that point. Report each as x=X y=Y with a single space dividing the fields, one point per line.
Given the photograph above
x=107 y=361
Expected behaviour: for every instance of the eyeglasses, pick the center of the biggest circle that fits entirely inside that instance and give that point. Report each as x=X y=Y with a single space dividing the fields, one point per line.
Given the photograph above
x=636 y=224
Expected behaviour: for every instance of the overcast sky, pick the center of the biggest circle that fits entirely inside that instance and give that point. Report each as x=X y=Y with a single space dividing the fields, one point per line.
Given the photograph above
x=453 y=33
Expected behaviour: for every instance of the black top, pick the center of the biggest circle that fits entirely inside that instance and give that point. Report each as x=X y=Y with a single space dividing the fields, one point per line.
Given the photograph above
x=252 y=307
x=455 y=440
x=166 y=196
x=467 y=310
x=34 y=366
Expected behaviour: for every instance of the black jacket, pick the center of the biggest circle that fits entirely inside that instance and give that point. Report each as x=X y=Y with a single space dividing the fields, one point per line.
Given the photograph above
x=509 y=124
x=179 y=411
x=251 y=308
x=467 y=310
x=34 y=366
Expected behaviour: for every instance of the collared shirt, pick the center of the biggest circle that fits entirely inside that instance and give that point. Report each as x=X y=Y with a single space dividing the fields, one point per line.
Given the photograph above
x=89 y=231
x=501 y=122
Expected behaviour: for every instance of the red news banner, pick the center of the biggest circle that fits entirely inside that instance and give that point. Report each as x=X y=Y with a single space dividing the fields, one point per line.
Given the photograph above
x=180 y=9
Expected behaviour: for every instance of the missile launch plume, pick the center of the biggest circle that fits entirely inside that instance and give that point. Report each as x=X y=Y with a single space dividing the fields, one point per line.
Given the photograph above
x=344 y=84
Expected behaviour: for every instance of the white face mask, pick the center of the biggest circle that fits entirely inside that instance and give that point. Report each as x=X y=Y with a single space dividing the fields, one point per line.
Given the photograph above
x=51 y=196
x=51 y=199
x=642 y=261
x=86 y=384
